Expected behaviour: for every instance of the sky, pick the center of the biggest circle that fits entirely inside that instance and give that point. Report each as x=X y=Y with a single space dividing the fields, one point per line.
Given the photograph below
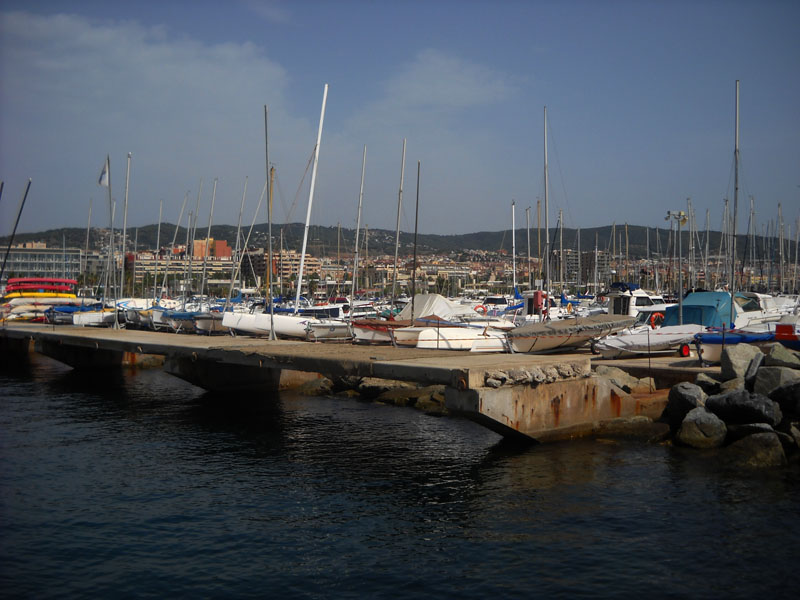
x=640 y=101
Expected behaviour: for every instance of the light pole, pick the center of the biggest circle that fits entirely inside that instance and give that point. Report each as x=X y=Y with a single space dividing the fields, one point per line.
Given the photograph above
x=681 y=218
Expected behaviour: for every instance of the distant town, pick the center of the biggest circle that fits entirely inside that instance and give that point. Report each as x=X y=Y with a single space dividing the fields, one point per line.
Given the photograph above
x=581 y=260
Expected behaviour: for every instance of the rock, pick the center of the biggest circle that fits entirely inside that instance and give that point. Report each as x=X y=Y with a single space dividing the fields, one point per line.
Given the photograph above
x=537 y=375
x=741 y=406
x=707 y=383
x=372 y=387
x=500 y=376
x=737 y=383
x=737 y=432
x=682 y=398
x=519 y=376
x=618 y=377
x=566 y=371
x=780 y=356
x=735 y=359
x=795 y=433
x=788 y=397
x=637 y=428
x=752 y=371
x=770 y=378
x=430 y=405
x=760 y=450
x=316 y=387
x=493 y=383
x=701 y=429
x=644 y=385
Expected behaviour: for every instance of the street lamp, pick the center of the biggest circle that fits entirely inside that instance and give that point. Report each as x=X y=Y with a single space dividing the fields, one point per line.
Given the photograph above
x=681 y=218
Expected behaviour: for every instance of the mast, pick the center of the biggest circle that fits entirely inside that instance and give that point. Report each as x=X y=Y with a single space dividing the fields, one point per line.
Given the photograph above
x=237 y=254
x=780 y=248
x=172 y=248
x=539 y=237
x=647 y=259
x=513 y=247
x=561 y=247
x=578 y=276
x=546 y=220
x=414 y=266
x=16 y=223
x=397 y=234
x=125 y=224
x=735 y=204
x=158 y=252
x=208 y=238
x=358 y=227
x=85 y=265
x=528 y=231
x=268 y=274
x=310 y=200
x=595 y=264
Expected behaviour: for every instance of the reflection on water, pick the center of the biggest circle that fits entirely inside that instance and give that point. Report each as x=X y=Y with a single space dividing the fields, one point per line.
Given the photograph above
x=140 y=484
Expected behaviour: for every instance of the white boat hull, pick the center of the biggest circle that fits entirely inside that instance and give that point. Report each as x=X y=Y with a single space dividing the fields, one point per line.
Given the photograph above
x=259 y=324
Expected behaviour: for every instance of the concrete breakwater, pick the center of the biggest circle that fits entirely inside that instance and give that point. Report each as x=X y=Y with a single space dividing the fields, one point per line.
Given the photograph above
x=748 y=416
x=543 y=397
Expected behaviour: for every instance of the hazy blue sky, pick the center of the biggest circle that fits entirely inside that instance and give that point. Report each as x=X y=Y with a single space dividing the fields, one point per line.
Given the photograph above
x=640 y=101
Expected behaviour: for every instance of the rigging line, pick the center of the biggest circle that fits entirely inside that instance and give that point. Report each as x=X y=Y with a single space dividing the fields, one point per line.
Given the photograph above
x=302 y=180
x=558 y=165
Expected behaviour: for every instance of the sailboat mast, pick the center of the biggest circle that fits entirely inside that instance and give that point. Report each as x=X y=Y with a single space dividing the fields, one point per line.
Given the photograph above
x=358 y=227
x=513 y=247
x=546 y=221
x=528 y=231
x=85 y=264
x=397 y=234
x=578 y=282
x=310 y=200
x=125 y=223
x=158 y=252
x=268 y=270
x=561 y=247
x=735 y=204
x=208 y=239
x=414 y=266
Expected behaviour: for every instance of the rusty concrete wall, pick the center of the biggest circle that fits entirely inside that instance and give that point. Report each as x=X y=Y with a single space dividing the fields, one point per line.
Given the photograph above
x=549 y=411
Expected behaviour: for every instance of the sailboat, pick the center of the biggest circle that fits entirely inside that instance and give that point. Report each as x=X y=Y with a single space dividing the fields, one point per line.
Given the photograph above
x=294 y=325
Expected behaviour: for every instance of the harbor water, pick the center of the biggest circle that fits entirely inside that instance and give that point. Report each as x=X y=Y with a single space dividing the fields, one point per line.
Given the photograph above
x=141 y=485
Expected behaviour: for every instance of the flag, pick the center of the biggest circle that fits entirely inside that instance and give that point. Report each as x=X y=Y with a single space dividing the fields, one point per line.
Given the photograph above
x=104 y=175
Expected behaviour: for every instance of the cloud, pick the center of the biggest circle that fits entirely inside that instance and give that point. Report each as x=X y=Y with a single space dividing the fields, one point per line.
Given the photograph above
x=76 y=89
x=270 y=11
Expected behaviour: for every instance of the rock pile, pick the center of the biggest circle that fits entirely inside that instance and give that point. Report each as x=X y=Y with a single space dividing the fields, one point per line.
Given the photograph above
x=751 y=413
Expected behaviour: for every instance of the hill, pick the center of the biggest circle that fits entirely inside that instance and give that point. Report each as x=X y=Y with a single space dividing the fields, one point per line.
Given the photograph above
x=327 y=241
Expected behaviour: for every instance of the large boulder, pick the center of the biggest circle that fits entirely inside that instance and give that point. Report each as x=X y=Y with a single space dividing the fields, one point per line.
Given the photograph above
x=736 y=383
x=735 y=359
x=708 y=384
x=760 y=450
x=618 y=377
x=701 y=429
x=737 y=432
x=788 y=397
x=770 y=378
x=741 y=406
x=682 y=398
x=752 y=371
x=780 y=356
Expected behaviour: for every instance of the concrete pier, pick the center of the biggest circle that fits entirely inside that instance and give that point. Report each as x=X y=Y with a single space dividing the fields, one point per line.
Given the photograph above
x=538 y=396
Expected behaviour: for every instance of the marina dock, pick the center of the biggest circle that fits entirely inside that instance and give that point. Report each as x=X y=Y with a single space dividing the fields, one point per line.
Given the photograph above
x=537 y=396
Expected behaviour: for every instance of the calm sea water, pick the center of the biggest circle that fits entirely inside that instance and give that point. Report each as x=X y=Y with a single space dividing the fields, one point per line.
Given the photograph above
x=141 y=485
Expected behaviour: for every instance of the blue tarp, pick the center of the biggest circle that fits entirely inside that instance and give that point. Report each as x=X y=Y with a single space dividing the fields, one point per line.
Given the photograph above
x=710 y=309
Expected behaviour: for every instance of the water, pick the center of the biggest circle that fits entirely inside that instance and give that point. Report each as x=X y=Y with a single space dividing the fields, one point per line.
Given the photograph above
x=141 y=485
